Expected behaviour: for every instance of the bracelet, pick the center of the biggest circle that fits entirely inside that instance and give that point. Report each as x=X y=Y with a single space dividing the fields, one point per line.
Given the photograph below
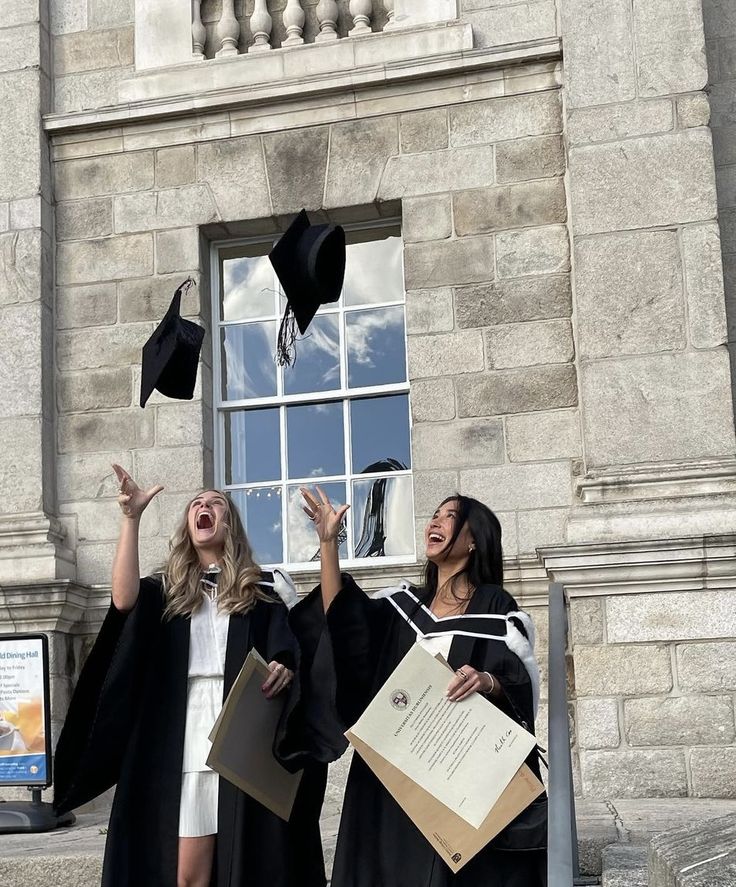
x=493 y=684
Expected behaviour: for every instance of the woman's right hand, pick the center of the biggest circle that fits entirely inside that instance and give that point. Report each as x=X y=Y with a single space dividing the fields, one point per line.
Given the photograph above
x=132 y=500
x=327 y=520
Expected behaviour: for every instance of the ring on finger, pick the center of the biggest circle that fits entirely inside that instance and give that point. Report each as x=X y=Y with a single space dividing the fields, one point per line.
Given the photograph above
x=462 y=674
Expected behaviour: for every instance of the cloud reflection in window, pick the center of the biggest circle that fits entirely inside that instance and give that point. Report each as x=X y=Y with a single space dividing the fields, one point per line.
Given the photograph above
x=248 y=287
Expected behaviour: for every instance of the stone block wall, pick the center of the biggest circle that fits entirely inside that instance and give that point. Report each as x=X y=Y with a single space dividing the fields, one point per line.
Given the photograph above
x=654 y=688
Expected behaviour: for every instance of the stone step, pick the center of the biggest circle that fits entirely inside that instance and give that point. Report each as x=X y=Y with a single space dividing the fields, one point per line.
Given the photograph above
x=625 y=865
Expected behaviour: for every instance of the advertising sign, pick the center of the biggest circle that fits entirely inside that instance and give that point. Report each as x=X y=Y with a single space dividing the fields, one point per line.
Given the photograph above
x=25 y=741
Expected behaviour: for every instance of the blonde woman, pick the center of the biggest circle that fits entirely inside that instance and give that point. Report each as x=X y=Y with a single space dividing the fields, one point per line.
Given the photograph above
x=151 y=689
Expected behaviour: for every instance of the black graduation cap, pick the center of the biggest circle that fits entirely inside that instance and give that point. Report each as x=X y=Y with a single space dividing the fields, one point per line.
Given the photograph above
x=309 y=261
x=171 y=355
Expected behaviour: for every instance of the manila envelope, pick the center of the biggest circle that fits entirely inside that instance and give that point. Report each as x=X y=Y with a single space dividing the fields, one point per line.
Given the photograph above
x=242 y=741
x=454 y=839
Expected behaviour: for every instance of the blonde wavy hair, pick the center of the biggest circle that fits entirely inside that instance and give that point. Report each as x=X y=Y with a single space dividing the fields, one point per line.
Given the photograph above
x=237 y=584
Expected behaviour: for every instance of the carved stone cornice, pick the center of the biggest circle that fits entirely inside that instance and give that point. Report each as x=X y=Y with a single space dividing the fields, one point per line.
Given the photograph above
x=33 y=549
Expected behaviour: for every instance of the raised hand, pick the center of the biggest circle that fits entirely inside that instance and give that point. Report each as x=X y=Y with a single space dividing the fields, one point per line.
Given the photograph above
x=132 y=500
x=327 y=520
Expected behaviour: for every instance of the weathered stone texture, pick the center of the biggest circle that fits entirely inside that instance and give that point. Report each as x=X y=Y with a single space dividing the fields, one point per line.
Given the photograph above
x=599 y=51
x=85 y=306
x=99 y=520
x=83 y=219
x=540 y=436
x=596 y=723
x=629 y=294
x=432 y=400
x=103 y=14
x=95 y=432
x=712 y=772
x=149 y=297
x=429 y=311
x=517 y=391
x=176 y=250
x=633 y=409
x=687 y=616
x=532 y=251
x=108 y=258
x=95 y=390
x=436 y=171
x=513 y=301
x=693 y=110
x=539 y=157
x=529 y=344
x=182 y=424
x=88 y=90
x=634 y=774
x=104 y=174
x=83 y=476
x=225 y=165
x=101 y=346
x=446 y=354
x=296 y=166
x=424 y=131
x=21 y=477
x=181 y=468
x=93 y=50
x=679 y=720
x=704 y=285
x=614 y=122
x=512 y=487
x=622 y=670
x=21 y=262
x=498 y=119
x=175 y=166
x=20 y=134
x=540 y=527
x=514 y=23
x=457 y=444
x=448 y=263
x=430 y=488
x=170 y=208
x=670 y=47
x=620 y=186
x=703 y=668
x=509 y=206
x=586 y=620
x=21 y=350
x=426 y=218
x=358 y=154
x=68 y=16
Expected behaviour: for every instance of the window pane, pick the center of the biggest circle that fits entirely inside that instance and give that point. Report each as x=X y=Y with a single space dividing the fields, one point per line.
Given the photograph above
x=252 y=451
x=303 y=542
x=317 y=367
x=260 y=510
x=315 y=440
x=383 y=519
x=249 y=368
x=373 y=272
x=376 y=347
x=379 y=430
x=248 y=288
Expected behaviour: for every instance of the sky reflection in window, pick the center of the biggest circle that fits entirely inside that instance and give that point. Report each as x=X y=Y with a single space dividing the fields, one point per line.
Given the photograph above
x=379 y=430
x=249 y=369
x=315 y=440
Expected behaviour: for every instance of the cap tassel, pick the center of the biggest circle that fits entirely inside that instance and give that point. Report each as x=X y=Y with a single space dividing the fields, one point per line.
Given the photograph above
x=288 y=330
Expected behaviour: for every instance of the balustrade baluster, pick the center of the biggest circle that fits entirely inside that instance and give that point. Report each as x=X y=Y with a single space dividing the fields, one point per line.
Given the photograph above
x=260 y=26
x=361 y=12
x=390 y=11
x=294 y=23
x=327 y=12
x=199 y=32
x=228 y=30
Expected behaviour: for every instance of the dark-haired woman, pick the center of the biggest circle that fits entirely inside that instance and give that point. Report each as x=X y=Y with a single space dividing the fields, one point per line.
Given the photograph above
x=378 y=845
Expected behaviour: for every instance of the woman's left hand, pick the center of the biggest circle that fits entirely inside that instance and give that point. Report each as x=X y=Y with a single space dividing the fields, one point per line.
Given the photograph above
x=278 y=680
x=466 y=682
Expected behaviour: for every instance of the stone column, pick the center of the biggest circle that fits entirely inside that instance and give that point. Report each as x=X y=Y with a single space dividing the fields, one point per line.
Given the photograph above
x=32 y=547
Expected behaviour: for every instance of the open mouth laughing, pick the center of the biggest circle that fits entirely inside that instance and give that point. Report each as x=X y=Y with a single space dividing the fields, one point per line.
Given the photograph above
x=205 y=521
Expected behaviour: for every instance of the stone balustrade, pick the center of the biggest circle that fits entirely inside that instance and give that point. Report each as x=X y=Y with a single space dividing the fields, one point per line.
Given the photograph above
x=223 y=29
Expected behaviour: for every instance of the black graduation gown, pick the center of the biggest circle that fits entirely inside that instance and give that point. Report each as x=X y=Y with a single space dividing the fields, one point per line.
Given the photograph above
x=378 y=845
x=125 y=726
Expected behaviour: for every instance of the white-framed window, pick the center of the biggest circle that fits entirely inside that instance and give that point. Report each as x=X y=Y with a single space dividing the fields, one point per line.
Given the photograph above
x=339 y=416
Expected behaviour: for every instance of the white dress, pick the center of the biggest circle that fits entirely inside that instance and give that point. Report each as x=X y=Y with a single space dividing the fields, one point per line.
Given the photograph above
x=199 y=784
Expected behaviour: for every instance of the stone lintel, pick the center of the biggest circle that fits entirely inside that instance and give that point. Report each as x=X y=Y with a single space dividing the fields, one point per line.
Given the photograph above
x=646 y=482
x=250 y=81
x=33 y=548
x=640 y=567
x=61 y=606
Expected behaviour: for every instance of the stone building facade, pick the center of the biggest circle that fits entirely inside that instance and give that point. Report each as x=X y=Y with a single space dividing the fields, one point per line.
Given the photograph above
x=567 y=211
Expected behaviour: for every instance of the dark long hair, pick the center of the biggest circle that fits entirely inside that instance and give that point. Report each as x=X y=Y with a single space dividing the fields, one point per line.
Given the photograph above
x=485 y=563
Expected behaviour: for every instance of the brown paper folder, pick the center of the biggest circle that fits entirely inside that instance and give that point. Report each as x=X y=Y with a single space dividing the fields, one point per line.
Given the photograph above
x=454 y=839
x=242 y=740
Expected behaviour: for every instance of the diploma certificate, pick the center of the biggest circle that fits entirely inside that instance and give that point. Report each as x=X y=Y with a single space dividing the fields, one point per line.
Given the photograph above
x=462 y=753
